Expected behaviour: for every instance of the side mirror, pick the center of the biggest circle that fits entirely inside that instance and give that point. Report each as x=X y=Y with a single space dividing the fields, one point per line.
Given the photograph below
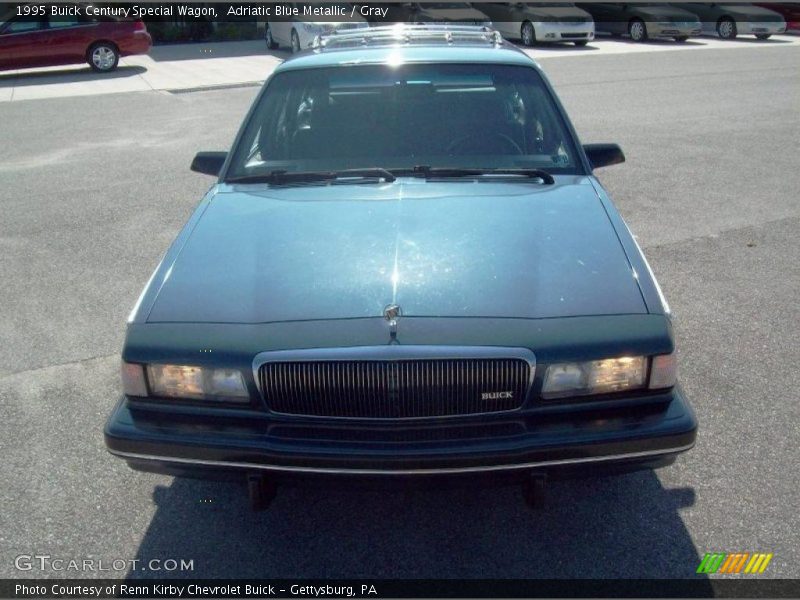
x=209 y=163
x=603 y=155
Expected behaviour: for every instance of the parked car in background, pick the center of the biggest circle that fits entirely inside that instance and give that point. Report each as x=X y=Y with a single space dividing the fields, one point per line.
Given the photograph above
x=52 y=41
x=298 y=34
x=405 y=269
x=729 y=20
x=534 y=22
x=790 y=11
x=435 y=12
x=643 y=21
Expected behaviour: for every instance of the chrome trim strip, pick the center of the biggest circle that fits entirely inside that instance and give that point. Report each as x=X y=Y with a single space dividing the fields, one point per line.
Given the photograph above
x=438 y=471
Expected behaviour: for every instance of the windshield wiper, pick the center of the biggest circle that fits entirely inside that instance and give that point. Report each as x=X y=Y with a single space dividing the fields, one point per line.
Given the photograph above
x=446 y=172
x=283 y=177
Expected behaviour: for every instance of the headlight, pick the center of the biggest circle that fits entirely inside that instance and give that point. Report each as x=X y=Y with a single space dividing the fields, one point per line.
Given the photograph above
x=607 y=376
x=183 y=381
x=594 y=377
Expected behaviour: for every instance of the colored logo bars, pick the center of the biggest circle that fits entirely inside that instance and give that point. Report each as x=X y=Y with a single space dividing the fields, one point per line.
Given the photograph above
x=739 y=562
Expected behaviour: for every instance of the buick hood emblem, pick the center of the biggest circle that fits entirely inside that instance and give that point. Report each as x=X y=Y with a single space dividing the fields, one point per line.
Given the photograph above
x=391 y=312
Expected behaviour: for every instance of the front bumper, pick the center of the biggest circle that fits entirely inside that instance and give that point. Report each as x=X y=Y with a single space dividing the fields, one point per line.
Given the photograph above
x=754 y=27
x=677 y=29
x=637 y=433
x=564 y=31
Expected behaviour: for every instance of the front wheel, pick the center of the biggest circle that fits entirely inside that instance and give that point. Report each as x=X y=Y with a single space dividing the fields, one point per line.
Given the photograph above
x=528 y=34
x=681 y=38
x=763 y=36
x=295 y=42
x=271 y=43
x=726 y=28
x=637 y=30
x=103 y=57
x=581 y=43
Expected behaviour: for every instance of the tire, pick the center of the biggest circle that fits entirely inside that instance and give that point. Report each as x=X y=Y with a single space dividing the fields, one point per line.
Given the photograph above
x=763 y=36
x=637 y=30
x=581 y=43
x=295 y=42
x=681 y=38
x=528 y=34
x=270 y=41
x=726 y=28
x=103 y=57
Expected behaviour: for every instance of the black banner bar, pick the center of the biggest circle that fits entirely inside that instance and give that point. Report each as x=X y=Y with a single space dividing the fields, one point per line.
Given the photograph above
x=157 y=11
x=410 y=588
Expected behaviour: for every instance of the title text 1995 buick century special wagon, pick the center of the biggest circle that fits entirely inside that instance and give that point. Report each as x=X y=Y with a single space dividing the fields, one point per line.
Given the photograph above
x=406 y=269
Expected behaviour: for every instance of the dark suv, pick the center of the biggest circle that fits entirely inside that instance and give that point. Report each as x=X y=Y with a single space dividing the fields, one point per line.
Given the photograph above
x=405 y=268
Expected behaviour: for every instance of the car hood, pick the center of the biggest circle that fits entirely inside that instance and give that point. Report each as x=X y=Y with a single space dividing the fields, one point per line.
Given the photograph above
x=667 y=13
x=454 y=14
x=438 y=249
x=563 y=13
x=748 y=11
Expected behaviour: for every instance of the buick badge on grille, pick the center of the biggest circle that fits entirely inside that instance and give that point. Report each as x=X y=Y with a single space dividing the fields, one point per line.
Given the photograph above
x=496 y=395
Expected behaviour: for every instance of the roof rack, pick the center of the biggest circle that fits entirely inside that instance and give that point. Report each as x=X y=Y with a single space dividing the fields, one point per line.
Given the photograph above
x=403 y=34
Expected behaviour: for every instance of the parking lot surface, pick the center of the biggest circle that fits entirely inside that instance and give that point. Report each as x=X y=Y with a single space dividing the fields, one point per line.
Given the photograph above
x=94 y=190
x=209 y=65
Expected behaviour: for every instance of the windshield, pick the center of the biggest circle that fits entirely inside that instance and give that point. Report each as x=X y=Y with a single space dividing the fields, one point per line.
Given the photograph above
x=442 y=115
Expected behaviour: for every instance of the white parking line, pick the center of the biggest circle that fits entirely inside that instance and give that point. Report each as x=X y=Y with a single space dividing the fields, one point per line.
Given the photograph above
x=192 y=66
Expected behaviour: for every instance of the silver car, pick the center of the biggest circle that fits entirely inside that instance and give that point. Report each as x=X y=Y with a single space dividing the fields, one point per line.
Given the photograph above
x=299 y=31
x=535 y=22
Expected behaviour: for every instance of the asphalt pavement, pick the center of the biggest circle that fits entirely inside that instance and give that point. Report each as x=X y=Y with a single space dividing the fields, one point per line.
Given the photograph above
x=95 y=188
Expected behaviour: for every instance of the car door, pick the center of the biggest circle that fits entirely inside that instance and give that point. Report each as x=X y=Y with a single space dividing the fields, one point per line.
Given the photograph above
x=69 y=39
x=22 y=43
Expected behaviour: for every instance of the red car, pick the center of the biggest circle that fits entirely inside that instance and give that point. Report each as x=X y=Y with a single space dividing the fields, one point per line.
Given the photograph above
x=790 y=11
x=49 y=41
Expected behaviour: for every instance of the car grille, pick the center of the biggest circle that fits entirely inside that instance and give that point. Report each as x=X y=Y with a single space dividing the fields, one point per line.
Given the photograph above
x=570 y=36
x=393 y=389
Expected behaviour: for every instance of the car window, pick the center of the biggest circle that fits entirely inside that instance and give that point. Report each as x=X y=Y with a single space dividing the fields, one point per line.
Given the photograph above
x=441 y=115
x=61 y=22
x=23 y=25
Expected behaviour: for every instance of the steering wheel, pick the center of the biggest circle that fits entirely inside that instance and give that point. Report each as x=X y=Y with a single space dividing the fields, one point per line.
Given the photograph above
x=483 y=143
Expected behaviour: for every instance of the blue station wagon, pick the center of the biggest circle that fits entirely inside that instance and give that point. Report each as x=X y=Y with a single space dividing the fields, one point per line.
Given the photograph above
x=405 y=270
